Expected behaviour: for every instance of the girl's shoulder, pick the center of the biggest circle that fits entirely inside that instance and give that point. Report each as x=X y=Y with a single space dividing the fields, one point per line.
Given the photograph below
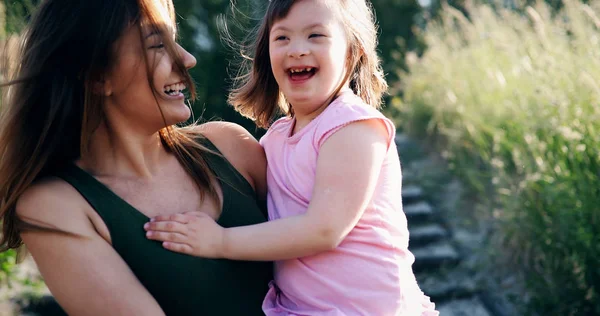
x=349 y=105
x=279 y=129
x=346 y=109
x=280 y=125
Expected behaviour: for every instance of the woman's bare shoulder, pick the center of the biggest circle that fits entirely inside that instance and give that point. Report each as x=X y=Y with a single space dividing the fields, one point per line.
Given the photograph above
x=239 y=147
x=52 y=202
x=233 y=140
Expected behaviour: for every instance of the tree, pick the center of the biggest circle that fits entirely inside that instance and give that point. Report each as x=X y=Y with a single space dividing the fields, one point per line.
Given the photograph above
x=201 y=34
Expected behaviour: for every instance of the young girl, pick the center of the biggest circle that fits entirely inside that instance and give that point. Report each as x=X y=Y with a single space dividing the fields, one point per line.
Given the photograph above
x=337 y=230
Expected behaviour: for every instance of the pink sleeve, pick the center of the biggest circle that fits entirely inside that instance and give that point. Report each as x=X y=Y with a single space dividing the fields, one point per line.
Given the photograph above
x=342 y=114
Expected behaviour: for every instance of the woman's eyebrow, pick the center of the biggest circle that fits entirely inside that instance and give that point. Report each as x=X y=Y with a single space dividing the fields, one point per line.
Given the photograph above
x=154 y=32
x=151 y=30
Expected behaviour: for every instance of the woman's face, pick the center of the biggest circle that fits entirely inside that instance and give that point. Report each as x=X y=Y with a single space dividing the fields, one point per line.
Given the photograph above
x=129 y=96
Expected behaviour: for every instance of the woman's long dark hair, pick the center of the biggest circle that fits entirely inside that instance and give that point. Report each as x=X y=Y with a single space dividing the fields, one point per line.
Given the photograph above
x=50 y=109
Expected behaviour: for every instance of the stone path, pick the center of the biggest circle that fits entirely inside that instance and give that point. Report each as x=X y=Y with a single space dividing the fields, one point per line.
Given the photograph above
x=437 y=265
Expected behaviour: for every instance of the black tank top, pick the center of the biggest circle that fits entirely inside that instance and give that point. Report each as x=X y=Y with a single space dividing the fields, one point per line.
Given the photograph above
x=183 y=284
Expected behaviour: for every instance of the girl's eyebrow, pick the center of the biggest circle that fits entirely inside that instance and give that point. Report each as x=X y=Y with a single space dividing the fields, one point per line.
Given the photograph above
x=283 y=28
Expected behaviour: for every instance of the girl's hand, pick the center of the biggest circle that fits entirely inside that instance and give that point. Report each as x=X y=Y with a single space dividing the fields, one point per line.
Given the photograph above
x=192 y=233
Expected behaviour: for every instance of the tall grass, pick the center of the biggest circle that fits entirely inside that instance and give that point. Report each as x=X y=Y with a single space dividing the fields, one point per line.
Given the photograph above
x=514 y=97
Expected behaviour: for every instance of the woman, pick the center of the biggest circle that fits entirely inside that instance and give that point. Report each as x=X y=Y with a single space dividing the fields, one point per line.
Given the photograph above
x=90 y=152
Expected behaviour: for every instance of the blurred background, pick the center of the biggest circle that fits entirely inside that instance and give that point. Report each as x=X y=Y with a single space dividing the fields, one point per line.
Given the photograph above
x=505 y=92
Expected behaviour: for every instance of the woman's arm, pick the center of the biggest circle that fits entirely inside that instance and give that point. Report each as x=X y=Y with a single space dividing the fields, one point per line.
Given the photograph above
x=83 y=272
x=347 y=171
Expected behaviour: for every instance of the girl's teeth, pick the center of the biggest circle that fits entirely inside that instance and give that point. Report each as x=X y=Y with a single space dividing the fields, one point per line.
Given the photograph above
x=301 y=70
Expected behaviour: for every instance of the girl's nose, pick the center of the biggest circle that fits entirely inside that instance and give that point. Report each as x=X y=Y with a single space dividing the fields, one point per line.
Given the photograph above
x=298 y=50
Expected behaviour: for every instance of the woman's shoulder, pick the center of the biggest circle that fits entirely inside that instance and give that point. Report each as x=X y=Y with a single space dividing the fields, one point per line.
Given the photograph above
x=232 y=140
x=239 y=147
x=51 y=202
x=45 y=192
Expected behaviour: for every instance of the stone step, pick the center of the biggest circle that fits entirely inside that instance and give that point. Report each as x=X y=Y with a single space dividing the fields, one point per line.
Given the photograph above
x=463 y=307
x=418 y=212
x=408 y=149
x=443 y=286
x=402 y=139
x=421 y=235
x=434 y=256
x=412 y=194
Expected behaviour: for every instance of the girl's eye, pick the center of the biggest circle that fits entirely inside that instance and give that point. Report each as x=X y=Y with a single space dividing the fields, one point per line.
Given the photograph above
x=280 y=38
x=315 y=35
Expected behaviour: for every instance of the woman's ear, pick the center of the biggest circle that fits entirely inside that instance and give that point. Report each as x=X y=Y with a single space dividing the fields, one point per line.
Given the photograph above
x=102 y=87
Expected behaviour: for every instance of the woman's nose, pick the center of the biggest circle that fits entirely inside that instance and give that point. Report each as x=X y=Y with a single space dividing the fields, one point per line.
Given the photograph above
x=189 y=61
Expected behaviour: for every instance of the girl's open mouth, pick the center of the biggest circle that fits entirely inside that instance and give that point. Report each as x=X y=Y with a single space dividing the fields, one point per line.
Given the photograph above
x=301 y=74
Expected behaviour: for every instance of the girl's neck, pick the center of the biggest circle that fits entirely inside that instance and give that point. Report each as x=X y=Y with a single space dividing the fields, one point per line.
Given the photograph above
x=301 y=120
x=119 y=151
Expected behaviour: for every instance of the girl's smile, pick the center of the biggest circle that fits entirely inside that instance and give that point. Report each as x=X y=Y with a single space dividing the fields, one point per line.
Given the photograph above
x=308 y=53
x=302 y=74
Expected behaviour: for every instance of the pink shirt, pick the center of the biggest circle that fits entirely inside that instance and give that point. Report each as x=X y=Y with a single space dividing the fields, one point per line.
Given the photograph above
x=370 y=272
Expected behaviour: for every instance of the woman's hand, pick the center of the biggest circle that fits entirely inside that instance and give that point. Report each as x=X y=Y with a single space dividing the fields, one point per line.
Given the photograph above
x=192 y=233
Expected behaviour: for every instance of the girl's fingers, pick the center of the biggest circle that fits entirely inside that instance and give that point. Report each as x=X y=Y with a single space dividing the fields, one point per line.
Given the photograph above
x=178 y=247
x=169 y=237
x=180 y=218
x=166 y=226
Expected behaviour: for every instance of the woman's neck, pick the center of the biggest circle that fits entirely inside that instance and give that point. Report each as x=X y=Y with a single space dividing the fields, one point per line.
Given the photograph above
x=122 y=151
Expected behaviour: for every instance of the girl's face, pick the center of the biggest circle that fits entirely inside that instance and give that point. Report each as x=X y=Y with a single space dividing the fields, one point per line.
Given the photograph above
x=130 y=97
x=308 y=50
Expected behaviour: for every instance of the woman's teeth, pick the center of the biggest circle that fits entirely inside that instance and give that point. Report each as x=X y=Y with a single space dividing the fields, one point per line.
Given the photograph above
x=175 y=89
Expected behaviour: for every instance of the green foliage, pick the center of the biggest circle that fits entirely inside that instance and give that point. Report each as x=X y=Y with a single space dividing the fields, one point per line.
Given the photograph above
x=201 y=33
x=513 y=100
x=396 y=20
x=16 y=13
x=7 y=264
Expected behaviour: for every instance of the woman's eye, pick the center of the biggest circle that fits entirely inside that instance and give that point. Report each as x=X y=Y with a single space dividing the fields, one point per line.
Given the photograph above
x=280 y=38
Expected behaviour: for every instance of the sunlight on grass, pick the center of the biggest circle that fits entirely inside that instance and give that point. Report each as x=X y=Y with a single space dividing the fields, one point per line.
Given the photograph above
x=513 y=95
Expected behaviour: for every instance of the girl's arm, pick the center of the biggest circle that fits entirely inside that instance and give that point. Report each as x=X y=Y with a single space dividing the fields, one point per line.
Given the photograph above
x=82 y=270
x=348 y=167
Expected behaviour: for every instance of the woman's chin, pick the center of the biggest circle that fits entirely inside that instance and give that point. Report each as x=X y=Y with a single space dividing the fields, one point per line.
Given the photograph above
x=178 y=116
